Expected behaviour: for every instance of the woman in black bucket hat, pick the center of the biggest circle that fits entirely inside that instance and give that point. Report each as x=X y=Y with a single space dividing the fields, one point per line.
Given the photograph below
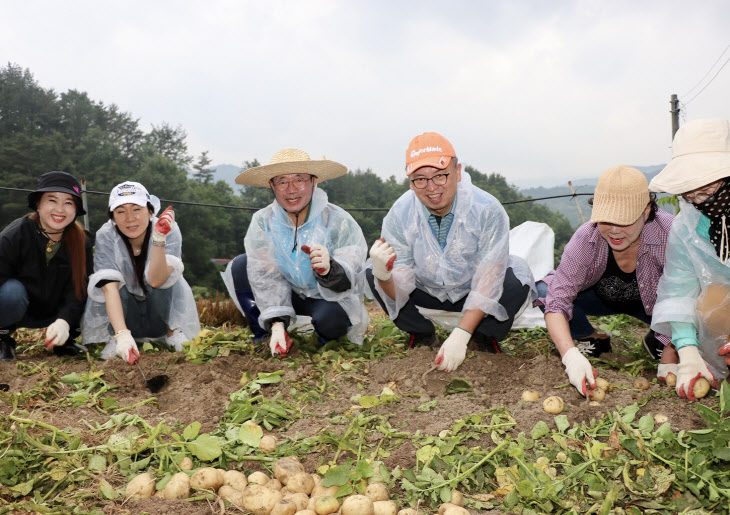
x=45 y=261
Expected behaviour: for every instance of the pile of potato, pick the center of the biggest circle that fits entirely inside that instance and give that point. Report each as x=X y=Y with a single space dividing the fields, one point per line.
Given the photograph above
x=292 y=491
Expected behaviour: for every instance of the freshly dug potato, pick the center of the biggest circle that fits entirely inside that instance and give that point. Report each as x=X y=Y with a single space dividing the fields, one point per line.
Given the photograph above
x=385 y=508
x=357 y=505
x=236 y=479
x=312 y=502
x=553 y=405
x=274 y=484
x=186 y=464
x=326 y=504
x=598 y=394
x=660 y=419
x=259 y=500
x=602 y=383
x=207 y=478
x=267 y=444
x=306 y=512
x=178 y=487
x=377 y=492
x=530 y=395
x=160 y=494
x=301 y=482
x=258 y=478
x=408 y=511
x=140 y=487
x=231 y=495
x=701 y=388
x=317 y=479
x=320 y=490
x=300 y=499
x=456 y=510
x=445 y=506
x=641 y=383
x=284 y=507
x=457 y=498
x=286 y=467
x=671 y=379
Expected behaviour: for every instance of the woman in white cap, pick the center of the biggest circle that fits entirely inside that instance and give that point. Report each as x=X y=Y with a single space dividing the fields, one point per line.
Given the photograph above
x=611 y=265
x=137 y=290
x=693 y=303
x=45 y=261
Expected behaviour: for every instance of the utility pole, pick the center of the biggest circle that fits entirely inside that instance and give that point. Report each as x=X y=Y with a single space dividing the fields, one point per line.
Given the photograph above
x=674 y=102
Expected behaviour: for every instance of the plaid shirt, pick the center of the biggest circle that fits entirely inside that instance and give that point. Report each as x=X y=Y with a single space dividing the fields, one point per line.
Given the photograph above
x=584 y=262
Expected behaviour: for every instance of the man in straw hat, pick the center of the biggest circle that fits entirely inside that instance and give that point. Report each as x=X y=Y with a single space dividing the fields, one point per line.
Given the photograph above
x=693 y=299
x=304 y=256
x=445 y=247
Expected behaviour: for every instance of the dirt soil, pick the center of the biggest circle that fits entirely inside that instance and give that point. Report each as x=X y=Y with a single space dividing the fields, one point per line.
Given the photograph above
x=199 y=392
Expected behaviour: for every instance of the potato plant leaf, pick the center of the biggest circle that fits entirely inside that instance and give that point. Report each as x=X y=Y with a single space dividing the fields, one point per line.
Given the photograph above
x=205 y=447
x=250 y=433
x=458 y=385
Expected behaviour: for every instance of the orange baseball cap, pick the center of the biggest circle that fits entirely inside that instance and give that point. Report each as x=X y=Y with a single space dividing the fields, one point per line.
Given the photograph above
x=428 y=149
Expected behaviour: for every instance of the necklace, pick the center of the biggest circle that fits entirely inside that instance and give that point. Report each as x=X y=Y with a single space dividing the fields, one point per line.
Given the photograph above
x=51 y=243
x=136 y=252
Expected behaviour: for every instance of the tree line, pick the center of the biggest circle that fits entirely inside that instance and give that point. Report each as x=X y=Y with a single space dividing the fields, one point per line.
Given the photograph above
x=43 y=130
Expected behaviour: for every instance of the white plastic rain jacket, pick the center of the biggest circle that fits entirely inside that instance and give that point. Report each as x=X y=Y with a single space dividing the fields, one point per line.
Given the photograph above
x=275 y=270
x=691 y=265
x=112 y=262
x=472 y=263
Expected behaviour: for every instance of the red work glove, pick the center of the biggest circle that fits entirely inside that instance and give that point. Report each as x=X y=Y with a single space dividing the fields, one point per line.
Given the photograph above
x=164 y=225
x=320 y=257
x=725 y=352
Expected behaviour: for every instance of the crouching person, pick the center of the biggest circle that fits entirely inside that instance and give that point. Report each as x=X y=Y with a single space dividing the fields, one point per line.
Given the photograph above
x=304 y=256
x=137 y=290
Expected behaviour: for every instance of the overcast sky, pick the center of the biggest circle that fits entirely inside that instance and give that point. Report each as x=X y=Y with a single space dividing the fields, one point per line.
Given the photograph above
x=540 y=92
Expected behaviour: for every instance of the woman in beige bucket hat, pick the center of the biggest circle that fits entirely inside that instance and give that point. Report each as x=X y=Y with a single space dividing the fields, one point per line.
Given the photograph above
x=693 y=299
x=611 y=265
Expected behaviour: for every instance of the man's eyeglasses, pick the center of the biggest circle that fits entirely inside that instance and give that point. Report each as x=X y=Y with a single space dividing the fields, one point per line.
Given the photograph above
x=299 y=182
x=699 y=195
x=439 y=180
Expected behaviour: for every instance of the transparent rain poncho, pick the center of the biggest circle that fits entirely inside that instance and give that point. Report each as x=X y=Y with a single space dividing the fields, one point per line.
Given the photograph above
x=275 y=270
x=112 y=262
x=472 y=263
x=691 y=266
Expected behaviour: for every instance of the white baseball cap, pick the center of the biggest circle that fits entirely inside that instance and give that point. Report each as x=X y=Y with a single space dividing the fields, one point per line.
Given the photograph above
x=132 y=193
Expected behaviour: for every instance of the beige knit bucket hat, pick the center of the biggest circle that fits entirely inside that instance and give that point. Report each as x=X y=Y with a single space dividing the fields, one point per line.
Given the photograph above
x=620 y=197
x=290 y=160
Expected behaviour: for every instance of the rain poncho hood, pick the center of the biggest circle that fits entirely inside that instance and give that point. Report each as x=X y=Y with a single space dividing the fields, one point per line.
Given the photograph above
x=472 y=263
x=275 y=270
x=691 y=265
x=112 y=262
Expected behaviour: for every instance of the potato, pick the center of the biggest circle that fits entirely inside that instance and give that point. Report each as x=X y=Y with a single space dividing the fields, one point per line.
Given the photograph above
x=301 y=482
x=553 y=405
x=445 y=506
x=286 y=467
x=602 y=384
x=231 y=495
x=258 y=478
x=259 y=500
x=207 y=478
x=671 y=379
x=530 y=395
x=701 y=388
x=660 y=419
x=300 y=499
x=236 y=479
x=186 y=464
x=561 y=456
x=326 y=504
x=641 y=383
x=598 y=394
x=178 y=487
x=140 y=487
x=306 y=512
x=159 y=494
x=267 y=444
x=358 y=505
x=284 y=507
x=377 y=492
x=311 y=503
x=385 y=508
x=317 y=479
x=274 y=484
x=456 y=510
x=408 y=511
x=320 y=490
x=457 y=498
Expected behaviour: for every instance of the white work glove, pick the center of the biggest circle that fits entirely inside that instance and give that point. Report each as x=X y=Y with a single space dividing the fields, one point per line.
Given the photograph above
x=164 y=225
x=579 y=370
x=127 y=347
x=382 y=256
x=664 y=369
x=57 y=333
x=280 y=343
x=453 y=350
x=691 y=368
x=320 y=258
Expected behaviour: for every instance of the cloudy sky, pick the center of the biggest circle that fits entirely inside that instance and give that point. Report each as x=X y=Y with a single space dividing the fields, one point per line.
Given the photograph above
x=538 y=91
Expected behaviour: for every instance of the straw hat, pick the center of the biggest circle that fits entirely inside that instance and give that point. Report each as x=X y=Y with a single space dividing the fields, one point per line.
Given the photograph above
x=620 y=197
x=290 y=160
x=700 y=155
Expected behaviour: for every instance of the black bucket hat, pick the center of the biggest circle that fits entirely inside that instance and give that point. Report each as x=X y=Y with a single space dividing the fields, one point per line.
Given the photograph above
x=57 y=181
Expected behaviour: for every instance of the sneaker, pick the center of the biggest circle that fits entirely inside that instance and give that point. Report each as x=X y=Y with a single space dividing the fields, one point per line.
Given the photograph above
x=652 y=345
x=594 y=347
x=423 y=339
x=7 y=345
x=175 y=340
x=486 y=343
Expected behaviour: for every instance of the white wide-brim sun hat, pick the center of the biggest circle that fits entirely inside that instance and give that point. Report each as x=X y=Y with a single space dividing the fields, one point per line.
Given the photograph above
x=291 y=160
x=700 y=156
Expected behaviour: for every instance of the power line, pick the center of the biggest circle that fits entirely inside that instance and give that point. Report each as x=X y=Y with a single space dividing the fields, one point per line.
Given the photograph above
x=713 y=78
x=706 y=74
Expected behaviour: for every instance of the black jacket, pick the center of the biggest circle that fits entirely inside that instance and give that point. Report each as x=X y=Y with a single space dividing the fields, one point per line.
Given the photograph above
x=49 y=285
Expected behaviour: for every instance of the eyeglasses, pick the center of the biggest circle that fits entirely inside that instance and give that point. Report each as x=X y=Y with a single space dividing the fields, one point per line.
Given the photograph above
x=299 y=183
x=699 y=195
x=439 y=180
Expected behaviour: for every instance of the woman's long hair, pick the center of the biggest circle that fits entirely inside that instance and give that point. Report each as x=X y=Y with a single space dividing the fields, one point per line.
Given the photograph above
x=137 y=264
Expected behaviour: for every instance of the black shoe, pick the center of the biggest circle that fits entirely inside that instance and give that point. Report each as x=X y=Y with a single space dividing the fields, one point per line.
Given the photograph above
x=70 y=349
x=7 y=346
x=486 y=343
x=425 y=339
x=594 y=347
x=652 y=345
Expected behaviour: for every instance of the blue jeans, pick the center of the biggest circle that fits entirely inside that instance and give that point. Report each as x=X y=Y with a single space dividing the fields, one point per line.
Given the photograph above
x=14 y=303
x=146 y=318
x=588 y=303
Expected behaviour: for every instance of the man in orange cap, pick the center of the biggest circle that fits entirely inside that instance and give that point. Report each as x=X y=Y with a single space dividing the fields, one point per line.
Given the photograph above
x=445 y=246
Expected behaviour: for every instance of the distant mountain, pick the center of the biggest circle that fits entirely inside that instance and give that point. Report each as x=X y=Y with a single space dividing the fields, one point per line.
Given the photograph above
x=228 y=173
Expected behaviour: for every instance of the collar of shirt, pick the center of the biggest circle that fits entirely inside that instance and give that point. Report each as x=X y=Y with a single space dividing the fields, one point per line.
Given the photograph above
x=440 y=225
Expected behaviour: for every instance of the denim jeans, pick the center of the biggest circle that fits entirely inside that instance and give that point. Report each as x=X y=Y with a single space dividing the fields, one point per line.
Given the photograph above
x=147 y=317
x=14 y=303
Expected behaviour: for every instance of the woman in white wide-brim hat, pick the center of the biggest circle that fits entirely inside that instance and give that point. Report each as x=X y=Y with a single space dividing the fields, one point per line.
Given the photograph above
x=693 y=298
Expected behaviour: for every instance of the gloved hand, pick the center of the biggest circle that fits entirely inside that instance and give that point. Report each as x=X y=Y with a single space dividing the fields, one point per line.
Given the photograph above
x=320 y=257
x=382 y=256
x=56 y=333
x=691 y=368
x=725 y=352
x=127 y=347
x=164 y=225
x=453 y=350
x=664 y=369
x=579 y=370
x=280 y=343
